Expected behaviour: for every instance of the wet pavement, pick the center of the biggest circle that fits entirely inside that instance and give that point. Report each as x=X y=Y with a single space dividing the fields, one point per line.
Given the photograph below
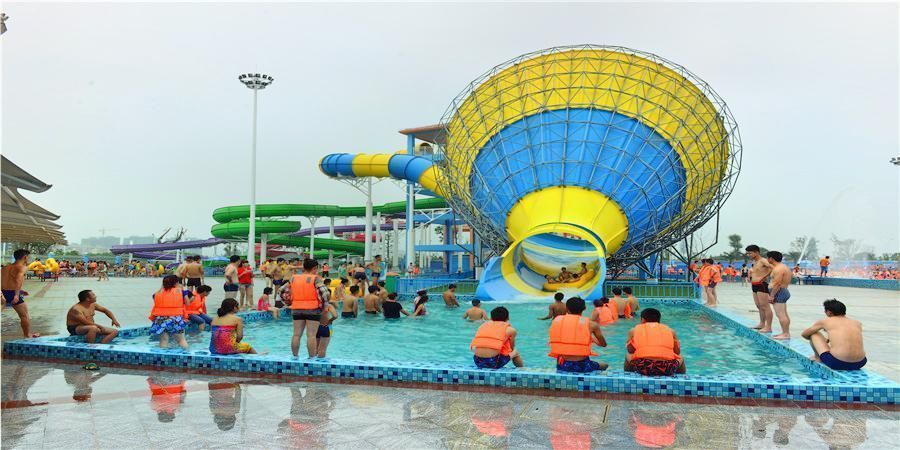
x=64 y=406
x=61 y=405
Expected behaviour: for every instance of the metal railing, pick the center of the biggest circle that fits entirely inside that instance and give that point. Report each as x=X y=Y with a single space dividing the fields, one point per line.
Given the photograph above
x=656 y=290
x=408 y=286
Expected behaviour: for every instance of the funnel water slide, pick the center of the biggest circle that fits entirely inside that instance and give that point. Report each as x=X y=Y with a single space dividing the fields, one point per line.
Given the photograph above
x=600 y=155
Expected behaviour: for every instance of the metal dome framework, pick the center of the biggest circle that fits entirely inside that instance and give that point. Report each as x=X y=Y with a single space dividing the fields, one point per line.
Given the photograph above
x=714 y=166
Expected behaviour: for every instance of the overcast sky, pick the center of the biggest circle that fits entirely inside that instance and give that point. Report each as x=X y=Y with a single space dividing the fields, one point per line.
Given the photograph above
x=135 y=115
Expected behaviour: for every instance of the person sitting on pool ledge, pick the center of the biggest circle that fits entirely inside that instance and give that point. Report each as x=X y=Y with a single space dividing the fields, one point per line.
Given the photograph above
x=393 y=308
x=653 y=348
x=844 y=342
x=571 y=337
x=80 y=319
x=351 y=304
x=475 y=312
x=494 y=343
x=604 y=312
x=228 y=330
x=557 y=308
x=372 y=301
x=196 y=307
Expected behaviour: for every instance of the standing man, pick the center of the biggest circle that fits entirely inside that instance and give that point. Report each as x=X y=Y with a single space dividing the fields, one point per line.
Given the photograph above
x=778 y=292
x=450 y=296
x=80 y=319
x=193 y=271
x=231 y=278
x=277 y=273
x=12 y=277
x=823 y=266
x=375 y=269
x=759 y=274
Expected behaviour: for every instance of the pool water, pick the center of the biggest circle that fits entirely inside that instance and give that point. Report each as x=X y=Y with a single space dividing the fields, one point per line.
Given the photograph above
x=709 y=347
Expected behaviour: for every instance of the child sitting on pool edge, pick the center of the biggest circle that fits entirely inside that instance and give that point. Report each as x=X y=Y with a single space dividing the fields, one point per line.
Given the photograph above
x=495 y=341
x=264 y=305
x=228 y=331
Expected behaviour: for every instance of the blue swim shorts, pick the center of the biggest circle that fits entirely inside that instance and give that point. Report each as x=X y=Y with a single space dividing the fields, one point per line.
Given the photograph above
x=837 y=364
x=494 y=362
x=585 y=365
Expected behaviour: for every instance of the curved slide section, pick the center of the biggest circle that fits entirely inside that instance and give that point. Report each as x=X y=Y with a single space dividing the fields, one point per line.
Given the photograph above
x=152 y=248
x=234 y=224
x=417 y=169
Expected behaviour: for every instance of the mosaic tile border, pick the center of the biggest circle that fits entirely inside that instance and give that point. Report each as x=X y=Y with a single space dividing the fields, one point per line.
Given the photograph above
x=823 y=384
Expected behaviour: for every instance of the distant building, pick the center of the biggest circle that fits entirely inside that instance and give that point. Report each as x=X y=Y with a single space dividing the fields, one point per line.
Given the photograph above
x=100 y=242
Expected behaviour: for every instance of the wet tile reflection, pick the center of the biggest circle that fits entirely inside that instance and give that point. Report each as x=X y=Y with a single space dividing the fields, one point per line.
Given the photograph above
x=63 y=406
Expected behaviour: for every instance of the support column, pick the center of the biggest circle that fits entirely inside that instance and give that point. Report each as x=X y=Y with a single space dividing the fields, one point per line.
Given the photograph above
x=331 y=235
x=367 y=256
x=410 y=202
x=379 y=235
x=262 y=247
x=312 y=237
x=395 y=241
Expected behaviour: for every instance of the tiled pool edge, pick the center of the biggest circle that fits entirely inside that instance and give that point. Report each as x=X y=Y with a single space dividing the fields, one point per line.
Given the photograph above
x=837 y=389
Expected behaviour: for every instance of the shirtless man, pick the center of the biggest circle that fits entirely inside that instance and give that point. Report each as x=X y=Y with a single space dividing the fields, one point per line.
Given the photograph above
x=584 y=270
x=631 y=300
x=278 y=273
x=267 y=268
x=475 y=312
x=557 y=308
x=13 y=275
x=375 y=269
x=179 y=271
x=231 y=278
x=372 y=302
x=450 y=296
x=778 y=292
x=193 y=271
x=382 y=293
x=351 y=304
x=80 y=319
x=564 y=276
x=759 y=273
x=844 y=342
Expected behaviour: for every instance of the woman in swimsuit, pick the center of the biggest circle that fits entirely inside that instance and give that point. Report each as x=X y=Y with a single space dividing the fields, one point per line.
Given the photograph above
x=228 y=331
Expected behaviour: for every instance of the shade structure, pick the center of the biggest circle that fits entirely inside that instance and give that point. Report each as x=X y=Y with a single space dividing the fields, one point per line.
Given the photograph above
x=23 y=220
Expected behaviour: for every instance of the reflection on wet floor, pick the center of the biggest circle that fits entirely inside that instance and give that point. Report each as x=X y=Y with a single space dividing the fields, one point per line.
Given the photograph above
x=63 y=406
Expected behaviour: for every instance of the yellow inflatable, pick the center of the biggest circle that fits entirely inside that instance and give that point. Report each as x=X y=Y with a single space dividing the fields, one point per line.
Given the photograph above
x=581 y=281
x=52 y=265
x=335 y=283
x=37 y=267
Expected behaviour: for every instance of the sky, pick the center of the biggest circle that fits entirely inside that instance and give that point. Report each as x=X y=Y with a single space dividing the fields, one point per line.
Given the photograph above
x=134 y=112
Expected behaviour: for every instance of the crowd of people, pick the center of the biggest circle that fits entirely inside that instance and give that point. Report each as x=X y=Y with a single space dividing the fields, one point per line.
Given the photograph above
x=303 y=290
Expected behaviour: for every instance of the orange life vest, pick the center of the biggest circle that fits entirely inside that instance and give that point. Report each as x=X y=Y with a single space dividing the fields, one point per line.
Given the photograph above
x=653 y=340
x=606 y=314
x=168 y=303
x=165 y=398
x=196 y=306
x=304 y=294
x=570 y=335
x=492 y=335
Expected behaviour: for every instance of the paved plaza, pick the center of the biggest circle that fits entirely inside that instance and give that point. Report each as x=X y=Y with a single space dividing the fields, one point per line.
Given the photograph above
x=60 y=405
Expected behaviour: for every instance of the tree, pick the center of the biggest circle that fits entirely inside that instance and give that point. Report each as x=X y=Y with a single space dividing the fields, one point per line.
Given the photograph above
x=72 y=253
x=801 y=243
x=737 y=248
x=890 y=257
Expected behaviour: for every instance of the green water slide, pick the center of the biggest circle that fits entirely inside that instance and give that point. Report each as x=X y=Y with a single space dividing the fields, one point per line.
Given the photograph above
x=234 y=222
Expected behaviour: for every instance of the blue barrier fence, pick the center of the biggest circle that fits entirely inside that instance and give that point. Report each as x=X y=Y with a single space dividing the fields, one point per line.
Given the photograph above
x=640 y=289
x=407 y=287
x=891 y=285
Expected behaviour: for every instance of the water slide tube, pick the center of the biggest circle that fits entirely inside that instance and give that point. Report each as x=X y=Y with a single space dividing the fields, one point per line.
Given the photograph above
x=153 y=248
x=234 y=224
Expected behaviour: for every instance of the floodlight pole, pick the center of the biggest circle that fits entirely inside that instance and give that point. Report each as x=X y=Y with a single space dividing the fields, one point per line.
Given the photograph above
x=255 y=82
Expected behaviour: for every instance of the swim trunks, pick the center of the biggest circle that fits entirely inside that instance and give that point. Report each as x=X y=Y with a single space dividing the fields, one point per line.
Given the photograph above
x=307 y=314
x=494 y=362
x=168 y=324
x=193 y=282
x=279 y=304
x=711 y=284
x=324 y=331
x=585 y=365
x=348 y=315
x=325 y=273
x=376 y=274
x=72 y=330
x=359 y=275
x=277 y=282
x=246 y=285
x=759 y=286
x=9 y=295
x=655 y=367
x=782 y=296
x=371 y=312
x=836 y=364
x=230 y=287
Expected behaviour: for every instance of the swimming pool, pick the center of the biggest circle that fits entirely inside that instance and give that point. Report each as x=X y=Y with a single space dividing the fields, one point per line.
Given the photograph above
x=709 y=347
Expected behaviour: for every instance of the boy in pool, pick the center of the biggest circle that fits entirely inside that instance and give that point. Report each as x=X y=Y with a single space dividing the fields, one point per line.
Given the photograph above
x=653 y=348
x=323 y=335
x=475 y=312
x=494 y=344
x=571 y=338
x=631 y=300
x=351 y=304
x=621 y=305
x=450 y=296
x=393 y=308
x=557 y=308
x=372 y=301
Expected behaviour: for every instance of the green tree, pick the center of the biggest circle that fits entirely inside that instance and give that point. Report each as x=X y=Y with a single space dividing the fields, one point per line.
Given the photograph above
x=890 y=257
x=737 y=248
